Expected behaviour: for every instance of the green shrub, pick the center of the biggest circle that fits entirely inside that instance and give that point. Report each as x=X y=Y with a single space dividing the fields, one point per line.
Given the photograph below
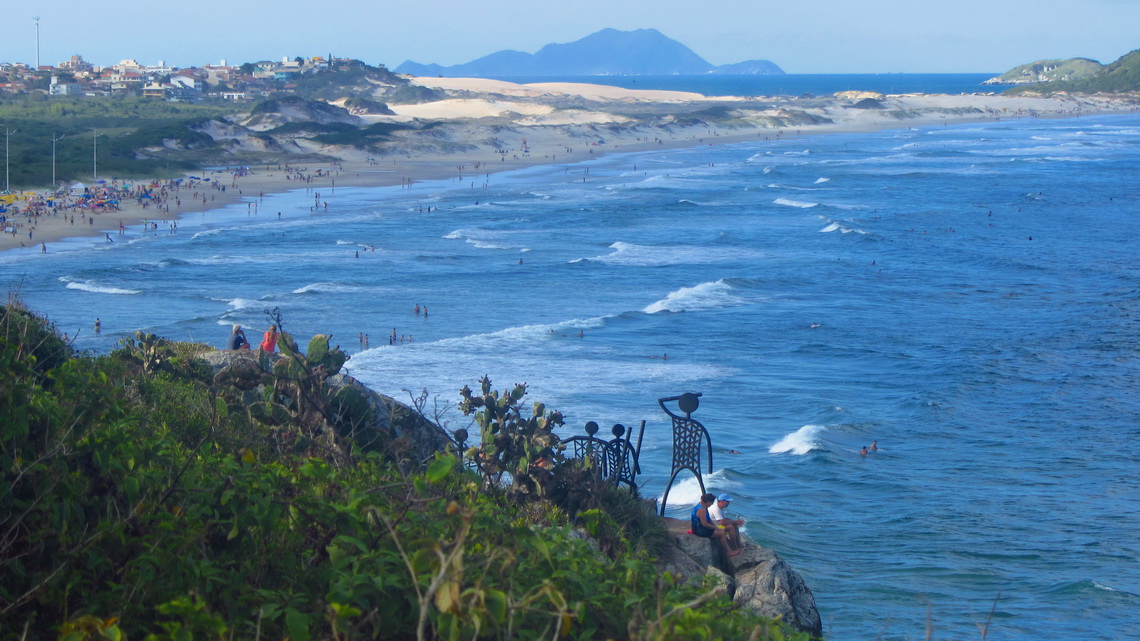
x=138 y=505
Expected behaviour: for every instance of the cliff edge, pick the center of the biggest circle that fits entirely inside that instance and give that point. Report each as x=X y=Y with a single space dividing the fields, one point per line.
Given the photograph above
x=757 y=578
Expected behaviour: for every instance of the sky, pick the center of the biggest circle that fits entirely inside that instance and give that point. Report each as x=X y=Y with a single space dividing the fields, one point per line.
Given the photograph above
x=801 y=36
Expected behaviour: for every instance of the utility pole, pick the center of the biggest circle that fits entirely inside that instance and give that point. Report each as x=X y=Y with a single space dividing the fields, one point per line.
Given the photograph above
x=54 y=140
x=95 y=154
x=7 y=134
x=37 y=19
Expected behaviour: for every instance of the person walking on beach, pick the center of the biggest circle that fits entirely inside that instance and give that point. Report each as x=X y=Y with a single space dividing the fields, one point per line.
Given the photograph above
x=269 y=340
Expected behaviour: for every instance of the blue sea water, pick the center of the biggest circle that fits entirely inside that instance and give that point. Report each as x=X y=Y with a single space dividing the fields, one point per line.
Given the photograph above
x=975 y=296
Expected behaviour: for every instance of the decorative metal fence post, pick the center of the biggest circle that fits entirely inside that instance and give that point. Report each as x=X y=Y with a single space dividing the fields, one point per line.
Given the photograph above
x=616 y=459
x=686 y=441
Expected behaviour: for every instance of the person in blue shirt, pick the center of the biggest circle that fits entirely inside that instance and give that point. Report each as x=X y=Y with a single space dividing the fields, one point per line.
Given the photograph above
x=704 y=527
x=237 y=339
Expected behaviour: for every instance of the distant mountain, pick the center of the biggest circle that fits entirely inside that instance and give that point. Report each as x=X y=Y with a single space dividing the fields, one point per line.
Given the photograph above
x=609 y=52
x=1118 y=77
x=750 y=68
x=1048 y=71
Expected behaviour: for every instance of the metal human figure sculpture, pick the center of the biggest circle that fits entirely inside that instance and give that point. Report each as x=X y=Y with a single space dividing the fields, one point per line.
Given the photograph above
x=687 y=435
x=616 y=459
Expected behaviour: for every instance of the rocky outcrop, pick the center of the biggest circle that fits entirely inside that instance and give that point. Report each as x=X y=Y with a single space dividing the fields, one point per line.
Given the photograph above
x=419 y=438
x=768 y=586
x=757 y=578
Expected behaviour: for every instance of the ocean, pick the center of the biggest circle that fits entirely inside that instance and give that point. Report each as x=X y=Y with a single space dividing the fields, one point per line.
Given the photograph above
x=966 y=296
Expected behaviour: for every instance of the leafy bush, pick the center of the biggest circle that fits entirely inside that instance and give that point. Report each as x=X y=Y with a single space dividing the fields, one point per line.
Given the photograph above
x=140 y=504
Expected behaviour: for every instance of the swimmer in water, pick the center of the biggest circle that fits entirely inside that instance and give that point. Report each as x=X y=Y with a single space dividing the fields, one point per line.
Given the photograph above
x=863 y=452
x=874 y=446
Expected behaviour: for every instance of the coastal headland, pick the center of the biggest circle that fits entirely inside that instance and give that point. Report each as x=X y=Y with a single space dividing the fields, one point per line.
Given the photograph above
x=481 y=127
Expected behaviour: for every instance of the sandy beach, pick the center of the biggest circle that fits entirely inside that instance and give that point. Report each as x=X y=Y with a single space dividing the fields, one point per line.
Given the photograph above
x=497 y=126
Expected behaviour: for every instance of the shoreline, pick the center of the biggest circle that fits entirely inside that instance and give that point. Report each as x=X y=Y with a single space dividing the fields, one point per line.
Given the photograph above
x=550 y=145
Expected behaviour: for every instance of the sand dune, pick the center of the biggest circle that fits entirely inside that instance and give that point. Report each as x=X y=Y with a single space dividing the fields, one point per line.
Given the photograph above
x=484 y=126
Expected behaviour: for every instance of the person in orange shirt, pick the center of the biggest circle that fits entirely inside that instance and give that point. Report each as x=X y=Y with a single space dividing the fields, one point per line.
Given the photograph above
x=269 y=341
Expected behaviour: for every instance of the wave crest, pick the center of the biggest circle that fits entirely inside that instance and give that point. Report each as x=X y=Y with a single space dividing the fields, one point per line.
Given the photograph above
x=709 y=295
x=799 y=442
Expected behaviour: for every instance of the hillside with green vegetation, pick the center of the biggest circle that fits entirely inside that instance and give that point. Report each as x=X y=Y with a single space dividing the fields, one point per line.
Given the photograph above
x=146 y=496
x=1122 y=76
x=1048 y=71
x=127 y=136
x=132 y=136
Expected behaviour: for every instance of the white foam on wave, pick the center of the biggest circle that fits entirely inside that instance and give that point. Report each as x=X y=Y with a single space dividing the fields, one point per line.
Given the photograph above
x=658 y=181
x=208 y=232
x=686 y=491
x=821 y=180
x=633 y=255
x=480 y=238
x=91 y=286
x=241 y=303
x=583 y=369
x=787 y=202
x=711 y=295
x=782 y=186
x=328 y=288
x=834 y=225
x=1072 y=159
x=799 y=442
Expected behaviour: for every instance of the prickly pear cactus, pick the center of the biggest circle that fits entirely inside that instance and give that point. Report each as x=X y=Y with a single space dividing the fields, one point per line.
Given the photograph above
x=298 y=405
x=514 y=445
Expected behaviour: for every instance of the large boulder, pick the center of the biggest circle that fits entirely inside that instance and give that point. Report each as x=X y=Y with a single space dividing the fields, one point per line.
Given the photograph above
x=757 y=578
x=768 y=586
x=414 y=437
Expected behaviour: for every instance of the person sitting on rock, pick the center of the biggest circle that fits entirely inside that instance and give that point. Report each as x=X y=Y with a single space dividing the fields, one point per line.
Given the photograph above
x=731 y=527
x=269 y=341
x=237 y=339
x=703 y=527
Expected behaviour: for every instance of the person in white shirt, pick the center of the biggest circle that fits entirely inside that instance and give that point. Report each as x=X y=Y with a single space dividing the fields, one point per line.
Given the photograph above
x=731 y=526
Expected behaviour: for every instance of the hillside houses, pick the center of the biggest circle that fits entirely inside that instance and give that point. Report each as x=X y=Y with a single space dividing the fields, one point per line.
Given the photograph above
x=78 y=77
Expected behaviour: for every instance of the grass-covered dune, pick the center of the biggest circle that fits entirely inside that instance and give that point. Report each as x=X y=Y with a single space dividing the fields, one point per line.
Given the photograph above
x=147 y=496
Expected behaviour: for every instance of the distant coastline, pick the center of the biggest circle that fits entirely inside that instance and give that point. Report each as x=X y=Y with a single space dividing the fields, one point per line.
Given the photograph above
x=488 y=126
x=787 y=85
